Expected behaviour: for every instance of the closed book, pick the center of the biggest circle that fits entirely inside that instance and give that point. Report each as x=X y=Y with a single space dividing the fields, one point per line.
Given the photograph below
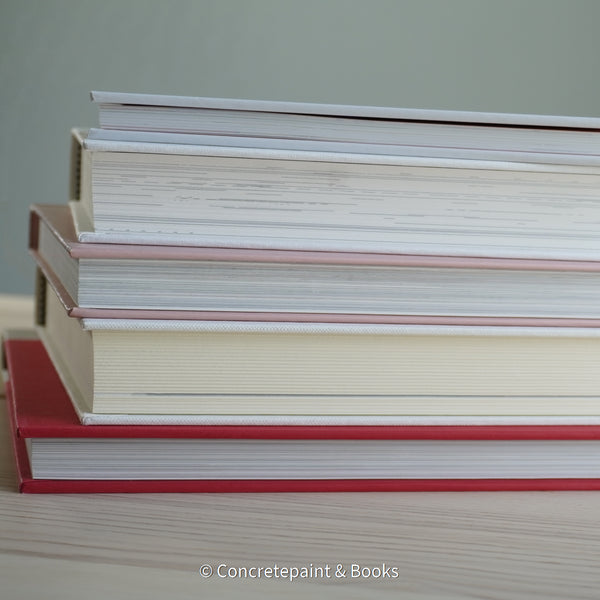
x=55 y=453
x=233 y=371
x=195 y=195
x=210 y=283
x=346 y=128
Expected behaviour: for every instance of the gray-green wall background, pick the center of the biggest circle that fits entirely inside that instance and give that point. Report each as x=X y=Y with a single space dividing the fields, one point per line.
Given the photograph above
x=532 y=56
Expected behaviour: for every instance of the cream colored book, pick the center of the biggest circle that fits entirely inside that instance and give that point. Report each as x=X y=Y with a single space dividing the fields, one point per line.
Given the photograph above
x=321 y=372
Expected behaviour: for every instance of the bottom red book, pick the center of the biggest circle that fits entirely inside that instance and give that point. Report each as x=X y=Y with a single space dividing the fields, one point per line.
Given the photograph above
x=55 y=453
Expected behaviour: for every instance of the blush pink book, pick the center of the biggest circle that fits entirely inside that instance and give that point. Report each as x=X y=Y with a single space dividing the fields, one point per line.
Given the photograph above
x=58 y=218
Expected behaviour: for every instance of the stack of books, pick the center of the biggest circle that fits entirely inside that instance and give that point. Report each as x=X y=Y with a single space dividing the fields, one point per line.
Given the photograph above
x=269 y=296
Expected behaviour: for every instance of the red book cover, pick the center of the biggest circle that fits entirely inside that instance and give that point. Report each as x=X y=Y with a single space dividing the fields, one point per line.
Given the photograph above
x=39 y=407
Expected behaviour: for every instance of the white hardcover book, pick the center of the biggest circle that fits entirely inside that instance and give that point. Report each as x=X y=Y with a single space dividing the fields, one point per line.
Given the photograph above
x=401 y=131
x=262 y=198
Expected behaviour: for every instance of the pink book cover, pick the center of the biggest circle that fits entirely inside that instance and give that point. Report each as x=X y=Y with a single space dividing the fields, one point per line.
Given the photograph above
x=59 y=220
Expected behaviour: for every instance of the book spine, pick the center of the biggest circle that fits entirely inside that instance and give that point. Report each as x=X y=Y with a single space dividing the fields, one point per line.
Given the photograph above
x=34 y=230
x=75 y=165
x=40 y=297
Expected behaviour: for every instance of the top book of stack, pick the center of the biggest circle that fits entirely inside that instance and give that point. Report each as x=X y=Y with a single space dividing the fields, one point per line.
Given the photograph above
x=169 y=170
x=347 y=128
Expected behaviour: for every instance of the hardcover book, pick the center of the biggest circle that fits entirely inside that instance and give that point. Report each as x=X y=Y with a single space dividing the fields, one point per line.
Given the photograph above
x=233 y=371
x=213 y=283
x=246 y=197
x=55 y=453
x=344 y=128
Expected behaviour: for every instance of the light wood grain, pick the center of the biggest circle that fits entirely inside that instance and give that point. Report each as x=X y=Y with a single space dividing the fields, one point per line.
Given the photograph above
x=445 y=545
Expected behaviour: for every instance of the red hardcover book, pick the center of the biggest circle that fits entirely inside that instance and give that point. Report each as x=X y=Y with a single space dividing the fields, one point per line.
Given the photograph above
x=55 y=453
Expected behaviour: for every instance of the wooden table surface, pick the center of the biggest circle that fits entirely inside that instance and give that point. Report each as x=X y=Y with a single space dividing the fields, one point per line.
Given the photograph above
x=443 y=545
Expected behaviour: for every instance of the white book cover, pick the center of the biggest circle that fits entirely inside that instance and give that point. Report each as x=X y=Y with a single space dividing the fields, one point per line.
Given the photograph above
x=280 y=199
x=374 y=112
x=333 y=127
